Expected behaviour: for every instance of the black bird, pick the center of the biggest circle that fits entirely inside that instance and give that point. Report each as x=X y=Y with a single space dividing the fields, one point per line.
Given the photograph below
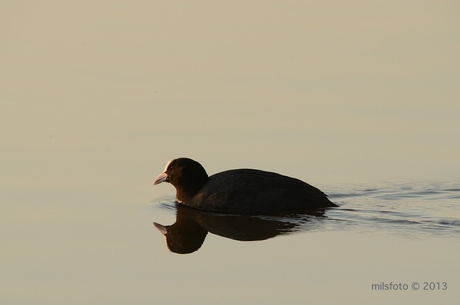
x=240 y=191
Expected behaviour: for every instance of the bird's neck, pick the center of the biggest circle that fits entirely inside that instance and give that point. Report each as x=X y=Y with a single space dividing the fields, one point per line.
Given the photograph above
x=185 y=194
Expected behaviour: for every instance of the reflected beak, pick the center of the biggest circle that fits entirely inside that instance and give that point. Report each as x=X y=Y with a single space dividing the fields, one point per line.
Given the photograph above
x=161 y=178
x=161 y=228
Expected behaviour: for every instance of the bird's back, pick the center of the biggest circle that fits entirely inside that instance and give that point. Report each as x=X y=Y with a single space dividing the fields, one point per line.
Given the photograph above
x=250 y=191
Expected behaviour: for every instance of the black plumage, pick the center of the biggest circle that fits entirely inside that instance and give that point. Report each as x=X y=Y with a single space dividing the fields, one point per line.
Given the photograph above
x=240 y=191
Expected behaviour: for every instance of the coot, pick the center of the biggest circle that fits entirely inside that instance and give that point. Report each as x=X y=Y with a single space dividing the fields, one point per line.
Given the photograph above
x=240 y=191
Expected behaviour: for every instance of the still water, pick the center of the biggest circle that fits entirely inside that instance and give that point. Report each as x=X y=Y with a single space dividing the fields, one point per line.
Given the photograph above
x=386 y=242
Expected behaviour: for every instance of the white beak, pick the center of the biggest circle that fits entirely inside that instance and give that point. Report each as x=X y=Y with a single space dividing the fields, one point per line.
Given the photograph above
x=161 y=178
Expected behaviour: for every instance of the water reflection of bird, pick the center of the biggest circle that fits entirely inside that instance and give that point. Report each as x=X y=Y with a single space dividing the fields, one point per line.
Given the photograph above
x=189 y=231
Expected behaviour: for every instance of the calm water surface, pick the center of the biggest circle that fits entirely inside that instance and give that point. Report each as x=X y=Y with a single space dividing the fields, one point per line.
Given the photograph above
x=399 y=235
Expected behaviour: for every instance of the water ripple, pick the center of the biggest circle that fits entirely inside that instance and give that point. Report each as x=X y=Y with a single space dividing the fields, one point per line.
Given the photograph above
x=418 y=209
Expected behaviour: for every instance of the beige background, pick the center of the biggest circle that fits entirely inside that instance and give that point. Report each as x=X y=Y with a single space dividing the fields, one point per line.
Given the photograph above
x=331 y=91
